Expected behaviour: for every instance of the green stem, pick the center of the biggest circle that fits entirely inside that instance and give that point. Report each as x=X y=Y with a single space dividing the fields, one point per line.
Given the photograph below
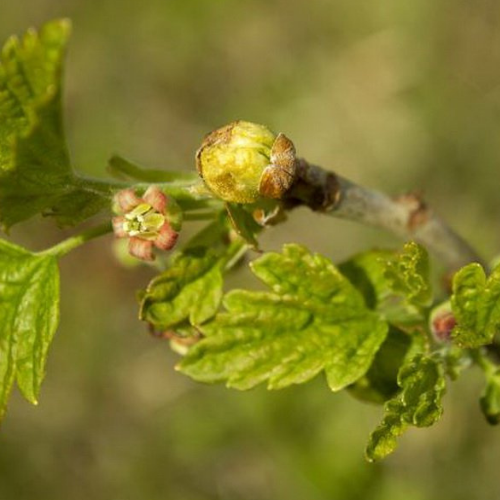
x=480 y=358
x=190 y=194
x=236 y=251
x=65 y=246
x=100 y=186
x=193 y=188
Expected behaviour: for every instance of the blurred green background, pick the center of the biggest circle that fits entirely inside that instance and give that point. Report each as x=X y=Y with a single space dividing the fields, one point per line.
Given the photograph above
x=395 y=95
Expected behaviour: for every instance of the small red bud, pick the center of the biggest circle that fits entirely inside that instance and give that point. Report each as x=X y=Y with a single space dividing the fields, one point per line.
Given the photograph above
x=442 y=322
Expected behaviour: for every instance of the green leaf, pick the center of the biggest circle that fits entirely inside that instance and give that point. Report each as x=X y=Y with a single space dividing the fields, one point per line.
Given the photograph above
x=191 y=288
x=244 y=224
x=490 y=399
x=380 y=382
x=408 y=273
x=313 y=320
x=367 y=272
x=476 y=305
x=29 y=308
x=35 y=171
x=418 y=404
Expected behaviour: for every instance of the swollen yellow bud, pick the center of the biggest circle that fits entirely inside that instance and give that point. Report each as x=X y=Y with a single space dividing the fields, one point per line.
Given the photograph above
x=243 y=161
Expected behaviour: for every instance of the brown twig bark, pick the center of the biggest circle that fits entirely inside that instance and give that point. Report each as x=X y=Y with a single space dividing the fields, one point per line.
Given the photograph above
x=407 y=216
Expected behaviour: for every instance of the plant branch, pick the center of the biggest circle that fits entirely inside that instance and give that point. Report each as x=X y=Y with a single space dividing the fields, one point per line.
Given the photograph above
x=190 y=194
x=407 y=216
x=65 y=246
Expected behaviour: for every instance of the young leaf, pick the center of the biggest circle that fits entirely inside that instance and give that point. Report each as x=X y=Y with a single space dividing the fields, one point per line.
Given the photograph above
x=422 y=385
x=408 y=273
x=380 y=382
x=367 y=272
x=313 y=320
x=244 y=224
x=191 y=288
x=476 y=306
x=35 y=172
x=29 y=287
x=490 y=399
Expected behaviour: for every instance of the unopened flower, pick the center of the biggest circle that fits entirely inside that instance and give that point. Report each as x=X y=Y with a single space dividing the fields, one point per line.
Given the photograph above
x=442 y=321
x=244 y=161
x=146 y=221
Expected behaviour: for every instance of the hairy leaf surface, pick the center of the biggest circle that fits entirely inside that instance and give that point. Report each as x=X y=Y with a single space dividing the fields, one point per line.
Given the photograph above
x=418 y=404
x=313 y=320
x=191 y=288
x=29 y=312
x=408 y=273
x=367 y=272
x=476 y=306
x=35 y=172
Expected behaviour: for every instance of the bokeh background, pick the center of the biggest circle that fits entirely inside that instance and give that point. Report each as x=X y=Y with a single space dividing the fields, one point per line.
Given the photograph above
x=395 y=95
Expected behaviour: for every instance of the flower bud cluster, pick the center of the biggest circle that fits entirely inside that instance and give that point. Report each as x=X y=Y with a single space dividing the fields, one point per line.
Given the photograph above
x=244 y=161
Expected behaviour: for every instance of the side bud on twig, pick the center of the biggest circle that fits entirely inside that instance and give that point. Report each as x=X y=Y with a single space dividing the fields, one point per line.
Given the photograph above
x=150 y=220
x=441 y=322
x=243 y=162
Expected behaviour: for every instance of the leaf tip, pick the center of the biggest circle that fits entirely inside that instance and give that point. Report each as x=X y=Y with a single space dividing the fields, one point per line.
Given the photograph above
x=63 y=25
